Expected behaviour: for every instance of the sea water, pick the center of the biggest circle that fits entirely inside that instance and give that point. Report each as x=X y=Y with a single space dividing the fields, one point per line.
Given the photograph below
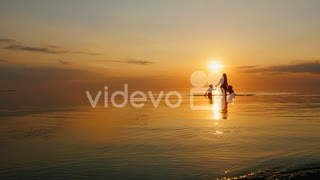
x=260 y=135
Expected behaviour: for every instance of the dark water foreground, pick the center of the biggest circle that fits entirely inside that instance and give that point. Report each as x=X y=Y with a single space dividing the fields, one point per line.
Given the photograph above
x=261 y=136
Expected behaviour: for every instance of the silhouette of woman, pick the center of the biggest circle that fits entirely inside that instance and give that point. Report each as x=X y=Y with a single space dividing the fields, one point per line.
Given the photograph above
x=223 y=86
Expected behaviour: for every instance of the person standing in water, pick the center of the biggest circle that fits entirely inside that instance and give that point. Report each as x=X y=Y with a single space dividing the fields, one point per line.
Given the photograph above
x=223 y=86
x=231 y=94
x=209 y=91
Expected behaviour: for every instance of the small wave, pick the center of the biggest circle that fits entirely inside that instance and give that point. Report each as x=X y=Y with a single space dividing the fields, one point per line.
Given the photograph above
x=8 y=90
x=240 y=94
x=276 y=93
x=262 y=94
x=303 y=173
x=248 y=94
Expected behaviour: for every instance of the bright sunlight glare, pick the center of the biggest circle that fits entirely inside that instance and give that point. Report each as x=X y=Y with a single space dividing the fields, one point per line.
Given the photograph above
x=215 y=66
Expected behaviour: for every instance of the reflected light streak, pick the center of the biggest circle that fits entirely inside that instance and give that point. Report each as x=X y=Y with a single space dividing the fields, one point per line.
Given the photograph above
x=216 y=108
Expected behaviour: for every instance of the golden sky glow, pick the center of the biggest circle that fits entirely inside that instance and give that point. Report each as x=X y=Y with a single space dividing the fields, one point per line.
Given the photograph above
x=163 y=39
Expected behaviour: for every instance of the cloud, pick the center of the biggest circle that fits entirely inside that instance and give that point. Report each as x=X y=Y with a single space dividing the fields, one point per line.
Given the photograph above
x=33 y=49
x=246 y=67
x=6 y=40
x=137 y=62
x=312 y=67
x=14 y=45
x=53 y=46
x=86 y=53
x=64 y=62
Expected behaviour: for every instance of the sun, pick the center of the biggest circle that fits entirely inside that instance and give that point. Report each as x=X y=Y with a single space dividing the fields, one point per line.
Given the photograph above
x=215 y=66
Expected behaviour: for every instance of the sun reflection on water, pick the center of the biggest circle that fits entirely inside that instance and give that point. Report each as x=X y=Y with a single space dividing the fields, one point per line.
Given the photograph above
x=219 y=111
x=217 y=108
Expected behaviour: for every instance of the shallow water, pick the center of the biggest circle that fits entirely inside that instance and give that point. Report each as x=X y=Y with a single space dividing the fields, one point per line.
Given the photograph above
x=261 y=135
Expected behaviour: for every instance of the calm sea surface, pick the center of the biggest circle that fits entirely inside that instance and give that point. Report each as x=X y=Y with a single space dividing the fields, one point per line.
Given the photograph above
x=261 y=135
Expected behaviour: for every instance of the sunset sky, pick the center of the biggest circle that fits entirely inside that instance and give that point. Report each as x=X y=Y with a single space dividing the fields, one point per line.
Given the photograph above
x=267 y=44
